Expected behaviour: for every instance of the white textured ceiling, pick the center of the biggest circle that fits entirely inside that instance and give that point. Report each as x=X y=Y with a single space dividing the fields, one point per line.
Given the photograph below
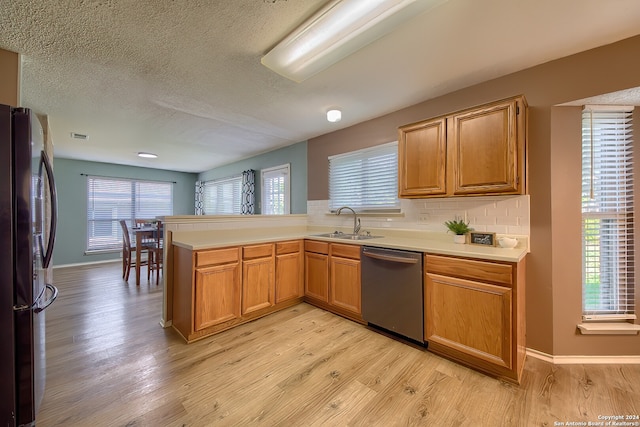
x=183 y=78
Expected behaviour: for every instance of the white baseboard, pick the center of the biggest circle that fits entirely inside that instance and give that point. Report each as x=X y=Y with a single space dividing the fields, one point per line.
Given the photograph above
x=84 y=264
x=584 y=360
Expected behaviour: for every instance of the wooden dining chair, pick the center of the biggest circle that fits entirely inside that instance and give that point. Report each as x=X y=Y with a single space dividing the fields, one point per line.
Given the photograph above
x=157 y=252
x=128 y=249
x=147 y=239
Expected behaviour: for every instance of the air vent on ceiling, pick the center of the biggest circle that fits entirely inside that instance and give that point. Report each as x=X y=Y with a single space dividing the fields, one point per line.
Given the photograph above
x=80 y=136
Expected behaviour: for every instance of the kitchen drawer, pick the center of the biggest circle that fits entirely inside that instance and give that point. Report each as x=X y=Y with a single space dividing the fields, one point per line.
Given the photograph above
x=257 y=251
x=287 y=247
x=470 y=269
x=345 y=251
x=217 y=256
x=317 y=247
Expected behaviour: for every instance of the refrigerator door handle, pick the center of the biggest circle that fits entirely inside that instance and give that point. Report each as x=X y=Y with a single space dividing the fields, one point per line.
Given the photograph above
x=52 y=298
x=48 y=253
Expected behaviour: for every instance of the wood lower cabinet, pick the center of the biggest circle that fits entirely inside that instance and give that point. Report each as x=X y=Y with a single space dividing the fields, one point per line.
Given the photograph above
x=345 y=284
x=474 y=313
x=478 y=151
x=217 y=289
x=217 y=295
x=258 y=277
x=289 y=270
x=332 y=278
x=316 y=271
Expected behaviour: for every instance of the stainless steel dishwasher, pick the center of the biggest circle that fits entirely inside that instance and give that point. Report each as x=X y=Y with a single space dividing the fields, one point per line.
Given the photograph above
x=392 y=291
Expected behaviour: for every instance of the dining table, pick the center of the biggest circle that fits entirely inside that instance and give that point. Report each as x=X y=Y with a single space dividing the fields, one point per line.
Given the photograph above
x=141 y=233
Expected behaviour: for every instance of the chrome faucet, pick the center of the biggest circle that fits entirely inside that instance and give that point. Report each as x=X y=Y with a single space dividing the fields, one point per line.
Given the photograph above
x=356 y=220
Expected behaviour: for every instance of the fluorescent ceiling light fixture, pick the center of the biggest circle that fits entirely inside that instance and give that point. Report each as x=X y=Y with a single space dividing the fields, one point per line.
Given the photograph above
x=334 y=115
x=147 y=155
x=337 y=30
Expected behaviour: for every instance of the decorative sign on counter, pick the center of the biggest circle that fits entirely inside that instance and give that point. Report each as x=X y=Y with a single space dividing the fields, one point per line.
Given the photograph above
x=487 y=239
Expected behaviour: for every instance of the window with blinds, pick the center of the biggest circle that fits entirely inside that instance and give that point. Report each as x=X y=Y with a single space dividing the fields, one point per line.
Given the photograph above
x=607 y=213
x=276 y=190
x=112 y=199
x=365 y=180
x=223 y=196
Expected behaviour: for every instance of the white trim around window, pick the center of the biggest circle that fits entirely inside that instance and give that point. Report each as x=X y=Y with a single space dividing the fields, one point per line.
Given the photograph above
x=276 y=190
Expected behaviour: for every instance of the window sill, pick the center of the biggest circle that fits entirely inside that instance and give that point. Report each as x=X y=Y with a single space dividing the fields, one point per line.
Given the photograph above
x=102 y=251
x=371 y=214
x=608 y=329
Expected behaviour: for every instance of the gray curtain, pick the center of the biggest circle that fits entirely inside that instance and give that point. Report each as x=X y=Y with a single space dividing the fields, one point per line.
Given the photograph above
x=248 y=192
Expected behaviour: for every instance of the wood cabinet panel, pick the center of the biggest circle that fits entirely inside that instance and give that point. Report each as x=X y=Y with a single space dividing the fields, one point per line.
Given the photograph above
x=258 y=290
x=481 y=150
x=316 y=246
x=233 y=286
x=485 y=150
x=345 y=291
x=333 y=281
x=475 y=313
x=217 y=256
x=471 y=317
x=470 y=269
x=217 y=295
x=288 y=247
x=257 y=251
x=345 y=251
x=316 y=272
x=289 y=270
x=422 y=154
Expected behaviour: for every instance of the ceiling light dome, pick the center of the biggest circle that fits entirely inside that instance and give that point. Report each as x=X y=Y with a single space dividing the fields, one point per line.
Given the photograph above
x=334 y=115
x=147 y=155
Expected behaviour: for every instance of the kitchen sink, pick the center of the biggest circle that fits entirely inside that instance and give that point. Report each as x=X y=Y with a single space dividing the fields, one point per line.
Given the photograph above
x=347 y=236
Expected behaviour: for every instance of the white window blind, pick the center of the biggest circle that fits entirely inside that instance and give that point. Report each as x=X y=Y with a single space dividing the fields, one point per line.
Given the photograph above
x=223 y=196
x=111 y=199
x=276 y=190
x=607 y=213
x=365 y=180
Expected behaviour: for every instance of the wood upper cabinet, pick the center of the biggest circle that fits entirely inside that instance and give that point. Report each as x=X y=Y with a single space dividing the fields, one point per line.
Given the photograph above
x=217 y=287
x=258 y=277
x=345 y=284
x=422 y=154
x=474 y=313
x=316 y=270
x=485 y=149
x=289 y=270
x=478 y=151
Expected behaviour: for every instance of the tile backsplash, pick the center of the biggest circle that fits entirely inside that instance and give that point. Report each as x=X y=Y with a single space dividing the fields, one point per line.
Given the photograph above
x=499 y=214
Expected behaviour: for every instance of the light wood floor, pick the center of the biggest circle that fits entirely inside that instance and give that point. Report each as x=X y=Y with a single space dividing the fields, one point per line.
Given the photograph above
x=109 y=363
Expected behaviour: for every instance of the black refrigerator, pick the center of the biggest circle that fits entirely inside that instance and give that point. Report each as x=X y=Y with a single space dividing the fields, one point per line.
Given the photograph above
x=28 y=217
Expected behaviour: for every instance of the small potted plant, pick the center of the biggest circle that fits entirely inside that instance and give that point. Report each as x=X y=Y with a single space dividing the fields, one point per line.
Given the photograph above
x=459 y=228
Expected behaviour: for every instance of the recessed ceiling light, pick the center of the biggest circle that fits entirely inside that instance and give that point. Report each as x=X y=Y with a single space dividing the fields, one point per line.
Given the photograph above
x=82 y=136
x=147 y=155
x=334 y=115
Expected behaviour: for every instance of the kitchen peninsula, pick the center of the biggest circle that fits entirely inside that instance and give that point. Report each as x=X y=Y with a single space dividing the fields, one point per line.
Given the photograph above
x=222 y=277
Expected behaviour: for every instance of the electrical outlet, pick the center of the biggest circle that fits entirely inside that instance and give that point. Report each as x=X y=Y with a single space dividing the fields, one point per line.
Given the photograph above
x=423 y=218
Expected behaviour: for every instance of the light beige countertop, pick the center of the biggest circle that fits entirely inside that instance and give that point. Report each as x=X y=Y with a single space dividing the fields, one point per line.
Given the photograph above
x=412 y=240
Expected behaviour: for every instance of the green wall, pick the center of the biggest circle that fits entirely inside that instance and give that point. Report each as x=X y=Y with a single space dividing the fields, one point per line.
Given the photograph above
x=71 y=185
x=295 y=154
